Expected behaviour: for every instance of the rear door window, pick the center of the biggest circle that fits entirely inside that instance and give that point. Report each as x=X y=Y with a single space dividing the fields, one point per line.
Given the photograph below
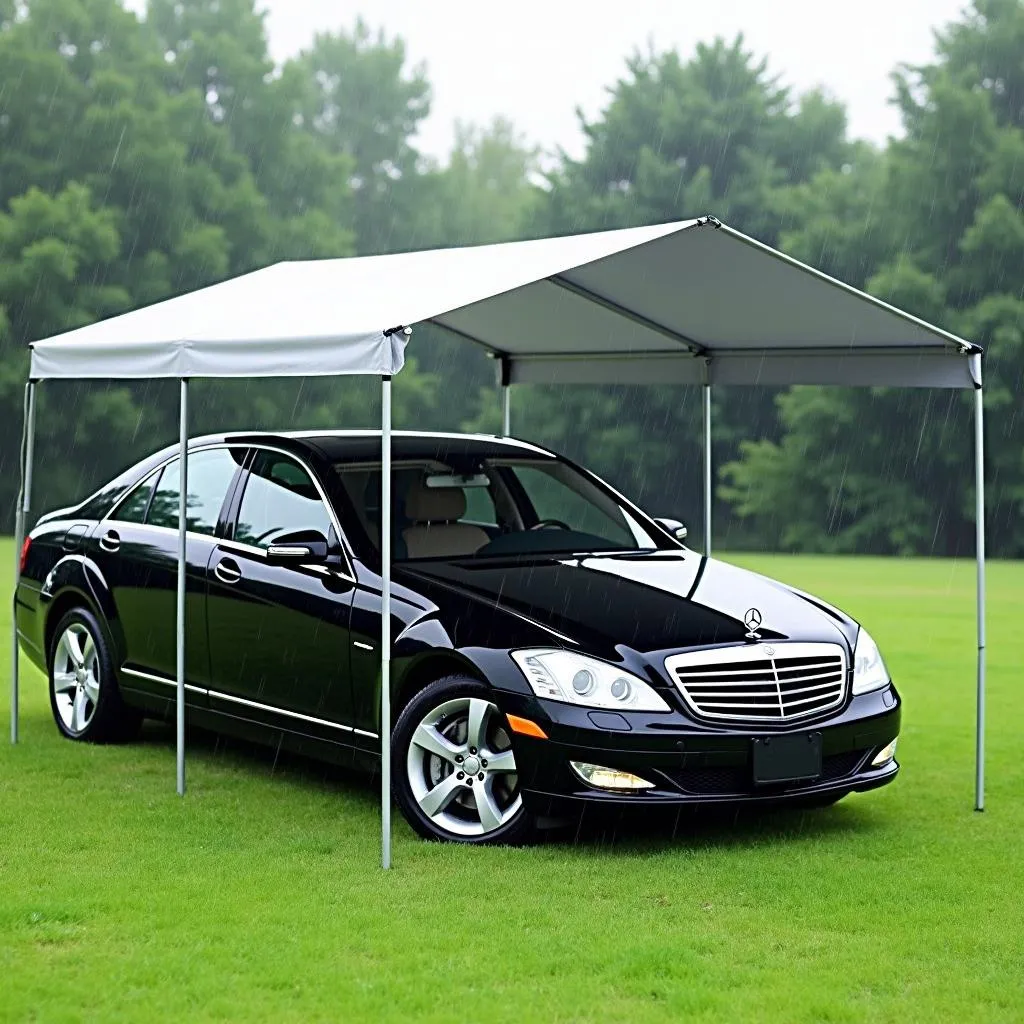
x=133 y=508
x=210 y=474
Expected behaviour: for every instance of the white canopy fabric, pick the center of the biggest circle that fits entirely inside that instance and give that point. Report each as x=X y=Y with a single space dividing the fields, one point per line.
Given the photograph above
x=691 y=302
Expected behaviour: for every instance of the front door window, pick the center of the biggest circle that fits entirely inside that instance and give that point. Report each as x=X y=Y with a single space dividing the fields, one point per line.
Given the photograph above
x=280 y=498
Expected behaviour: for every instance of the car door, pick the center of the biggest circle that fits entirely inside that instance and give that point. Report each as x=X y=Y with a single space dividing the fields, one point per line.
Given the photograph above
x=136 y=550
x=279 y=634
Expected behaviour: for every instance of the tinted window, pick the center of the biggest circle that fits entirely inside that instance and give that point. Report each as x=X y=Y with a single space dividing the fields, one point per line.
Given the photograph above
x=563 y=495
x=209 y=476
x=480 y=506
x=280 y=498
x=133 y=508
x=521 y=494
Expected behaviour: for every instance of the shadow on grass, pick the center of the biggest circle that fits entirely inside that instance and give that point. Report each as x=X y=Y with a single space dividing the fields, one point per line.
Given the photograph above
x=598 y=830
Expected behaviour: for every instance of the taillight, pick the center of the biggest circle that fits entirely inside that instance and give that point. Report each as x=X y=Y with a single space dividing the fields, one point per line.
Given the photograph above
x=24 y=554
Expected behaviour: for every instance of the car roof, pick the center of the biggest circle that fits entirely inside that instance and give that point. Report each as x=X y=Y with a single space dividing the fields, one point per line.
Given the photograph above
x=364 y=445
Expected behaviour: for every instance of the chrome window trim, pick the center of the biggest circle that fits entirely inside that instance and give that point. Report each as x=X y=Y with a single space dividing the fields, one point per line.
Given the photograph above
x=349 y=569
x=756 y=652
x=237 y=545
x=209 y=446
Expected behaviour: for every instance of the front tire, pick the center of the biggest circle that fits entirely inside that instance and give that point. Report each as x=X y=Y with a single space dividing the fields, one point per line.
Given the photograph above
x=84 y=697
x=453 y=769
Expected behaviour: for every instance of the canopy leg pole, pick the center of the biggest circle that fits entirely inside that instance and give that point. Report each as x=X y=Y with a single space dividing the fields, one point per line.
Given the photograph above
x=385 y=624
x=182 y=564
x=28 y=437
x=979 y=526
x=706 y=403
x=506 y=410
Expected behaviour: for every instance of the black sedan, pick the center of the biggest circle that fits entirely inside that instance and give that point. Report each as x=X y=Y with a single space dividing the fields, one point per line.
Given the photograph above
x=554 y=645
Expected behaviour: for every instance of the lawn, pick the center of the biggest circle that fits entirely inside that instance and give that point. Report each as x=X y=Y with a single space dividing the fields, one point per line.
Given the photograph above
x=259 y=896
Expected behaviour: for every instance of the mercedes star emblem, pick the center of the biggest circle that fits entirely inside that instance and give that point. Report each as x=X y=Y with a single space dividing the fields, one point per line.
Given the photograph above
x=752 y=620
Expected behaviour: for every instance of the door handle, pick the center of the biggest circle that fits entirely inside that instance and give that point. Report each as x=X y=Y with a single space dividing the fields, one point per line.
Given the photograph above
x=226 y=571
x=110 y=541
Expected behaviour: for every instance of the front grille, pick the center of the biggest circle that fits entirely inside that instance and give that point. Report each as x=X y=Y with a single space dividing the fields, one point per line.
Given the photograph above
x=737 y=780
x=761 y=682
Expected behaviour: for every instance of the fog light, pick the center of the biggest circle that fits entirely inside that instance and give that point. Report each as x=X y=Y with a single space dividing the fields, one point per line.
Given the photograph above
x=885 y=755
x=608 y=778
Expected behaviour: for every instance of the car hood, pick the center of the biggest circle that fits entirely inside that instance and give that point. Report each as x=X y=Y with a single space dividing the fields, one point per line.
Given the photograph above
x=647 y=602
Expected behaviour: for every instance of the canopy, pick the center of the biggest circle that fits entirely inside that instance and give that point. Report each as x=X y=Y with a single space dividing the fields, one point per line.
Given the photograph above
x=690 y=302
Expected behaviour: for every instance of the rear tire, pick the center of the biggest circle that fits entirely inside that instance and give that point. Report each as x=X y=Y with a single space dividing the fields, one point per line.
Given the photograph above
x=453 y=769
x=84 y=697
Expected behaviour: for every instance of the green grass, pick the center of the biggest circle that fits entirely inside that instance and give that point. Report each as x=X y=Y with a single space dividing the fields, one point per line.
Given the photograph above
x=258 y=897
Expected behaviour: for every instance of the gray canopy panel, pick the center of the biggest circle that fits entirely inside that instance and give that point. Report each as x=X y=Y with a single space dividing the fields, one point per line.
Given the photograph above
x=703 y=303
x=690 y=302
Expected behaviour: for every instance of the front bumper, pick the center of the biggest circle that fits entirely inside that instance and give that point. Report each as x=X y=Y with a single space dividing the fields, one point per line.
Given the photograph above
x=695 y=763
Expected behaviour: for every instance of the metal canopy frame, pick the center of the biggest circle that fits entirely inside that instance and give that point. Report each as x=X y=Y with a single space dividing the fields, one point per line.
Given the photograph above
x=686 y=362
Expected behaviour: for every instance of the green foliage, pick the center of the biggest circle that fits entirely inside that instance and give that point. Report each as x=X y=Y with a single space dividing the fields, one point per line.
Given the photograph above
x=714 y=134
x=934 y=226
x=142 y=157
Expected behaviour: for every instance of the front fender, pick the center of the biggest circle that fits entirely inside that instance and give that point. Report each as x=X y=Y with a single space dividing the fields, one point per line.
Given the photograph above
x=426 y=651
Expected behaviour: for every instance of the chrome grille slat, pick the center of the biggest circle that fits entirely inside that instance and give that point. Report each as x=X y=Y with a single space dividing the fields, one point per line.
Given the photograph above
x=749 y=684
x=831 y=674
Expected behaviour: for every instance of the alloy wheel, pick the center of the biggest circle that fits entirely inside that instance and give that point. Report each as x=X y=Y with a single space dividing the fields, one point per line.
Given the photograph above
x=76 y=678
x=461 y=767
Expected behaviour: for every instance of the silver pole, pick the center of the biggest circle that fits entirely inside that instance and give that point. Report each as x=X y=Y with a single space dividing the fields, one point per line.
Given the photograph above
x=180 y=623
x=506 y=410
x=979 y=527
x=28 y=437
x=385 y=623
x=706 y=401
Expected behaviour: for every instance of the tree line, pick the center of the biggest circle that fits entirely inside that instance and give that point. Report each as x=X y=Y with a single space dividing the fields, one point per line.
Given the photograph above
x=141 y=157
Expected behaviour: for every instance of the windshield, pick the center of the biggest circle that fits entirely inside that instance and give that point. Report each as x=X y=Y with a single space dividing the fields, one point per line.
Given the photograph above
x=491 y=508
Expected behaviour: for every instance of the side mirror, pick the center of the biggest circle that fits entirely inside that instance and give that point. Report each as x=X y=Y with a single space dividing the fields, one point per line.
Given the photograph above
x=674 y=527
x=298 y=547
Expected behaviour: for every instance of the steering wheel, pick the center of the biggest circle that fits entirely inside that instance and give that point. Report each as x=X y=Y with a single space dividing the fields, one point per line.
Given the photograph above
x=547 y=524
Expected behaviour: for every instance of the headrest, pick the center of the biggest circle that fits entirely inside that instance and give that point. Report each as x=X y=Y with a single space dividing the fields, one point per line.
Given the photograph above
x=434 y=504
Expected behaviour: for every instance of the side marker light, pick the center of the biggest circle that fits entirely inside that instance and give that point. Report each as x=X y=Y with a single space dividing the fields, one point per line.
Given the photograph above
x=525 y=727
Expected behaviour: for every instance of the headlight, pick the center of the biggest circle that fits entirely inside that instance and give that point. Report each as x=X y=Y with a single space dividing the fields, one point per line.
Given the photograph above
x=576 y=679
x=869 y=672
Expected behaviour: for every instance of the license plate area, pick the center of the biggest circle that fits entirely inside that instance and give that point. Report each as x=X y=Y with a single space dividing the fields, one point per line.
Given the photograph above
x=780 y=759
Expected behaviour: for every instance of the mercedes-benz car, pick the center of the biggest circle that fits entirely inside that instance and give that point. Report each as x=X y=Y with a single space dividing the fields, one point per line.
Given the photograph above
x=554 y=645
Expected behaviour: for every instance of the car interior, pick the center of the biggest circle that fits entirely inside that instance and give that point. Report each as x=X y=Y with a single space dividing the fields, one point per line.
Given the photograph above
x=443 y=511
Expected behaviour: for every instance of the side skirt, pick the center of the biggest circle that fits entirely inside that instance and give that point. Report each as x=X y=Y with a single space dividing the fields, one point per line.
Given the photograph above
x=342 y=754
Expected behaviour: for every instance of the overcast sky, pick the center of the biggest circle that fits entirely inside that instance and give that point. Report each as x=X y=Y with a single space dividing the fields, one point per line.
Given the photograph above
x=536 y=60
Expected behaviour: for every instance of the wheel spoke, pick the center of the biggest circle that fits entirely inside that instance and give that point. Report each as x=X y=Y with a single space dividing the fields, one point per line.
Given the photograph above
x=505 y=761
x=64 y=682
x=440 y=796
x=78 y=711
x=427 y=737
x=92 y=689
x=88 y=650
x=476 y=729
x=490 y=816
x=74 y=648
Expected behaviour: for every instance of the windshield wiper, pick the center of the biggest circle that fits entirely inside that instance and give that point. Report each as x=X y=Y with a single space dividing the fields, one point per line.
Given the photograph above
x=632 y=554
